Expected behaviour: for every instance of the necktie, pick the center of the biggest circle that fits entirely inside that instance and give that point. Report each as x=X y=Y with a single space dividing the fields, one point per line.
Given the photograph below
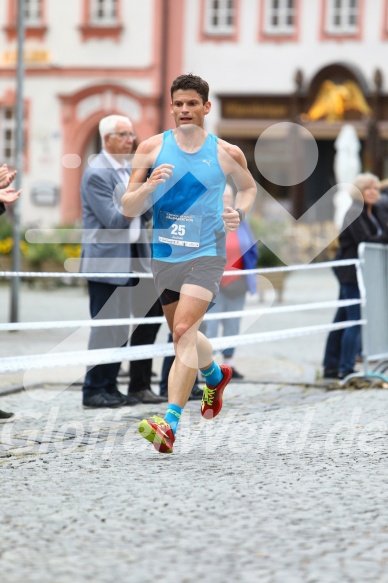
x=124 y=175
x=134 y=230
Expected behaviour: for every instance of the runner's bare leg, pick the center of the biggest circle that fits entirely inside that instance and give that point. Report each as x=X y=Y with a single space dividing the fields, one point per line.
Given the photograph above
x=192 y=348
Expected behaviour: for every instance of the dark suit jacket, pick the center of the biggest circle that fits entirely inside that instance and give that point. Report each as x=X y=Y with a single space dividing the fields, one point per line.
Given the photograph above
x=382 y=205
x=358 y=229
x=105 y=245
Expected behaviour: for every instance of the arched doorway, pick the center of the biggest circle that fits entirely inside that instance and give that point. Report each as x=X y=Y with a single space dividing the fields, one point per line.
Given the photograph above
x=81 y=114
x=352 y=97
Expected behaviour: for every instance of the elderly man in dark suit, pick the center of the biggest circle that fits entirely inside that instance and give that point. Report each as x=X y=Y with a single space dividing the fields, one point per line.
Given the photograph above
x=112 y=244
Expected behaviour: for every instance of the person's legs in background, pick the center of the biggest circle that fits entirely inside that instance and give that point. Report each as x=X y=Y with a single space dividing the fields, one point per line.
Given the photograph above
x=216 y=307
x=351 y=337
x=144 y=304
x=166 y=367
x=100 y=385
x=333 y=344
x=231 y=327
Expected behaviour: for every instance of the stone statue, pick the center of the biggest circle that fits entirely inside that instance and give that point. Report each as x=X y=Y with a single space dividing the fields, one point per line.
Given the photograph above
x=347 y=165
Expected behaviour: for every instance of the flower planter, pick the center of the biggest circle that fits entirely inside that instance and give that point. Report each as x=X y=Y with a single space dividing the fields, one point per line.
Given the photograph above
x=6 y=263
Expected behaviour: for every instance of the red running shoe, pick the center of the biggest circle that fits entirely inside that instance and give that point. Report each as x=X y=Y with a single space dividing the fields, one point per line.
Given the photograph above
x=158 y=432
x=212 y=396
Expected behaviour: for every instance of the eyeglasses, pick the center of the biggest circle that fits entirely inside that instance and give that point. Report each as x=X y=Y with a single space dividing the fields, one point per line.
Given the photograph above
x=124 y=135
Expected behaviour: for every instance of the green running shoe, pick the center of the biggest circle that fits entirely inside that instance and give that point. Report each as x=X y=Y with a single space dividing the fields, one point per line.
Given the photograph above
x=158 y=432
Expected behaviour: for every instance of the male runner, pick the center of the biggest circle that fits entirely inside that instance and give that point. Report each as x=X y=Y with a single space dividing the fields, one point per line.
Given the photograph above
x=184 y=170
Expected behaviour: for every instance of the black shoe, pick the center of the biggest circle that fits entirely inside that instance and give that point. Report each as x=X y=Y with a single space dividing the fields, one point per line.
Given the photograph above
x=148 y=396
x=4 y=416
x=329 y=373
x=236 y=375
x=131 y=400
x=196 y=393
x=127 y=400
x=342 y=375
x=97 y=399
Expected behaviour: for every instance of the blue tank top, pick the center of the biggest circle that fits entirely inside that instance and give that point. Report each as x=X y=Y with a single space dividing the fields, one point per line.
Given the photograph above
x=187 y=209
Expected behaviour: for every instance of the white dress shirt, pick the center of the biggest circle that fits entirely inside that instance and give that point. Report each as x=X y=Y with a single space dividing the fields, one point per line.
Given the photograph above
x=124 y=172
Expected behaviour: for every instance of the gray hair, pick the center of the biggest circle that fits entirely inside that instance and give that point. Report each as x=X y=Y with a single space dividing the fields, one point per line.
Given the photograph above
x=361 y=182
x=108 y=124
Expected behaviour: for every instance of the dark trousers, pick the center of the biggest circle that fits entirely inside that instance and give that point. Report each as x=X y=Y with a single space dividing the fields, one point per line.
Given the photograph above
x=110 y=301
x=143 y=296
x=166 y=367
x=344 y=345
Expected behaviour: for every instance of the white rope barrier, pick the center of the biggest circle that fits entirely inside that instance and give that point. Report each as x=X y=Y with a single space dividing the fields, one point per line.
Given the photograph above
x=17 y=326
x=134 y=274
x=103 y=356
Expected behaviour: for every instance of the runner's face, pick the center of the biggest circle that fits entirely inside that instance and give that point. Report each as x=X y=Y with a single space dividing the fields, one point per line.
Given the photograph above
x=187 y=108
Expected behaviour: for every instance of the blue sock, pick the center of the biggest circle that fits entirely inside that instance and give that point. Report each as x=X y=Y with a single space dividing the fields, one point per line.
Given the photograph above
x=213 y=374
x=173 y=415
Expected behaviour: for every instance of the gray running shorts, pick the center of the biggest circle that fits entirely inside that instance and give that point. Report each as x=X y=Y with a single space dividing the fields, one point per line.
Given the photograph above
x=170 y=277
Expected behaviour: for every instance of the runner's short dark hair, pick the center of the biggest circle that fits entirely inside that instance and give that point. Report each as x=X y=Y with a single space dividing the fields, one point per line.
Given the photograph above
x=186 y=82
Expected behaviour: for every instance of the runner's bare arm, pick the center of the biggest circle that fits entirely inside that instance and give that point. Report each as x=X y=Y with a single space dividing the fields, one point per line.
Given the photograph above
x=233 y=162
x=140 y=187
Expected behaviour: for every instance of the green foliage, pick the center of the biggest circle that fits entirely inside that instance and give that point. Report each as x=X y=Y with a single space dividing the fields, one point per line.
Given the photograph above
x=267 y=258
x=5 y=228
x=274 y=233
x=37 y=253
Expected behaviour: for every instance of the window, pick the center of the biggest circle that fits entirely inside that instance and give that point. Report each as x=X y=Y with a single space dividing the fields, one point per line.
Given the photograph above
x=103 y=12
x=342 y=16
x=101 y=19
x=33 y=13
x=220 y=17
x=280 y=16
x=7 y=135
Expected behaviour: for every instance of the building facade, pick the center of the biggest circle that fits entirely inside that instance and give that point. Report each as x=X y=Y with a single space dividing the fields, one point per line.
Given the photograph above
x=84 y=59
x=276 y=61
x=316 y=63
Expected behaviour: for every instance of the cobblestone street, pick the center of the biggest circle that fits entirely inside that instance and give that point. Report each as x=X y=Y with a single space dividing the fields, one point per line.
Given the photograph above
x=286 y=485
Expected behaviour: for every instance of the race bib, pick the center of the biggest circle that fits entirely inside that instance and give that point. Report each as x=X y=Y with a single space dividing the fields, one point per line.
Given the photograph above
x=181 y=230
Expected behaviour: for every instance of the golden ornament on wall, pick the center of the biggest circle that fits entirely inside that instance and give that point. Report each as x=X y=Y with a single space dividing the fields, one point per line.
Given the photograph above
x=333 y=100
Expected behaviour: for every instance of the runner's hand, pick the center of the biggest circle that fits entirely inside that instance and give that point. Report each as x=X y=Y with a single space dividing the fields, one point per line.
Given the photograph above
x=231 y=219
x=159 y=175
